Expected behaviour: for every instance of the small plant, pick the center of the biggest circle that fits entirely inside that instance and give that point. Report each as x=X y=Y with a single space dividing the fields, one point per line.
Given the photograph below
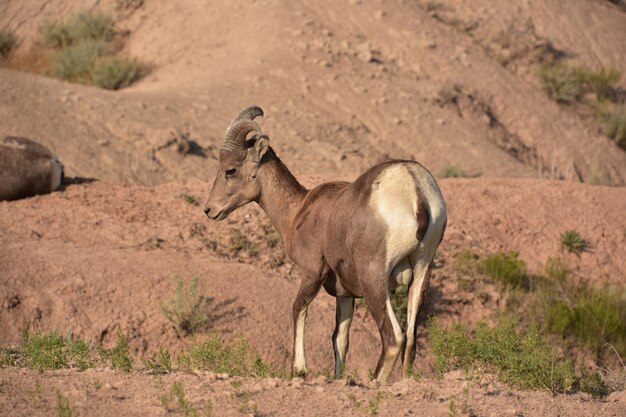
x=594 y=316
x=7 y=42
x=159 y=362
x=73 y=63
x=85 y=53
x=506 y=269
x=556 y=270
x=452 y=171
x=49 y=351
x=190 y=198
x=186 y=310
x=119 y=355
x=240 y=242
x=114 y=73
x=601 y=82
x=9 y=357
x=372 y=406
x=184 y=406
x=520 y=358
x=64 y=408
x=573 y=242
x=615 y=125
x=560 y=82
x=85 y=25
x=213 y=355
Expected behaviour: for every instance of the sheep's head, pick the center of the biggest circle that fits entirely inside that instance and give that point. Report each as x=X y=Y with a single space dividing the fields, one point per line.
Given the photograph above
x=236 y=182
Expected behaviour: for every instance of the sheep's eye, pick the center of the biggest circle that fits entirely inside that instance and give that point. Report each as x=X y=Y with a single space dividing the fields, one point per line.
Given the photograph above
x=230 y=172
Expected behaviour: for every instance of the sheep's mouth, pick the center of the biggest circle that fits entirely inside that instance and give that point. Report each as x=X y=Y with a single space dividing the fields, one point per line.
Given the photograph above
x=221 y=215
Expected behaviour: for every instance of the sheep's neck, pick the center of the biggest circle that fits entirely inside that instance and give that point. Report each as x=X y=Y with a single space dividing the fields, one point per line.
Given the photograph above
x=281 y=193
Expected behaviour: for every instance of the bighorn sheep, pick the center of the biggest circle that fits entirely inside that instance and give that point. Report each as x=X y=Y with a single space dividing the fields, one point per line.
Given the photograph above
x=27 y=168
x=355 y=239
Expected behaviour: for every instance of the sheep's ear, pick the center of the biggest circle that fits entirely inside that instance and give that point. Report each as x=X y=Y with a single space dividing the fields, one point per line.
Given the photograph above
x=259 y=149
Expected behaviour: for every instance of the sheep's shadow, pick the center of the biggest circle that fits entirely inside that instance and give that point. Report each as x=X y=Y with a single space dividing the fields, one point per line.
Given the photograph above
x=69 y=181
x=223 y=312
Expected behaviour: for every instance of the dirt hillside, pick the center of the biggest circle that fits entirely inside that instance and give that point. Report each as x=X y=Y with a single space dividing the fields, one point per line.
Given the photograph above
x=344 y=85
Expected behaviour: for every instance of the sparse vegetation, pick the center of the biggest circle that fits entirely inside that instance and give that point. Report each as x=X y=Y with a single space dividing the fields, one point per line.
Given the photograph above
x=7 y=42
x=158 y=362
x=240 y=242
x=451 y=171
x=597 y=89
x=72 y=63
x=520 y=358
x=183 y=405
x=372 y=406
x=593 y=316
x=85 y=52
x=64 y=408
x=79 y=27
x=118 y=355
x=506 y=269
x=113 y=73
x=573 y=242
x=51 y=350
x=615 y=125
x=186 y=310
x=190 y=198
x=560 y=83
x=215 y=356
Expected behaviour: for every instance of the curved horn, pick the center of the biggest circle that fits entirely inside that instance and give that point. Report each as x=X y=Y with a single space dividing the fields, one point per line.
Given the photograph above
x=249 y=113
x=236 y=134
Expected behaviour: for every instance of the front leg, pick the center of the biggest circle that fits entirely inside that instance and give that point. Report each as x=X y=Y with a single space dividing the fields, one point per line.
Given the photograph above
x=309 y=287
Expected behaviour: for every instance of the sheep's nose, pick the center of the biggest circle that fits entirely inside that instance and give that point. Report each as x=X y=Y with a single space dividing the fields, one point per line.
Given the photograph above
x=206 y=210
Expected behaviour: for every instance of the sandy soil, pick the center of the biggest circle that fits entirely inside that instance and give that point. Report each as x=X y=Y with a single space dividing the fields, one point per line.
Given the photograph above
x=344 y=85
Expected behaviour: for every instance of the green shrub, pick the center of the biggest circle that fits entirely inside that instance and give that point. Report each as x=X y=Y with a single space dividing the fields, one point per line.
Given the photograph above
x=573 y=242
x=615 y=125
x=593 y=316
x=85 y=25
x=186 y=310
x=159 y=362
x=84 y=53
x=54 y=34
x=7 y=42
x=560 y=82
x=51 y=350
x=601 y=82
x=520 y=358
x=119 y=355
x=451 y=171
x=506 y=269
x=213 y=355
x=114 y=73
x=73 y=63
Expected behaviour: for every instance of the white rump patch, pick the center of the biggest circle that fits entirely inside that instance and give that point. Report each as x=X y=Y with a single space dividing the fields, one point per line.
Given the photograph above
x=394 y=196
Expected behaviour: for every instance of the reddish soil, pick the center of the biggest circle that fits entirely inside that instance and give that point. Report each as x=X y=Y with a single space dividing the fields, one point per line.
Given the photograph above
x=343 y=85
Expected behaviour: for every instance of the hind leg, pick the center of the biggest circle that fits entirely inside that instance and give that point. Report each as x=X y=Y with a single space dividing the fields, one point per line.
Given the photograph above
x=379 y=304
x=421 y=278
x=343 y=319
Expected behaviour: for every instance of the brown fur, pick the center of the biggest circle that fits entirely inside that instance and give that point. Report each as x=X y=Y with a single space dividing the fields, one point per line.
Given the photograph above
x=331 y=232
x=26 y=168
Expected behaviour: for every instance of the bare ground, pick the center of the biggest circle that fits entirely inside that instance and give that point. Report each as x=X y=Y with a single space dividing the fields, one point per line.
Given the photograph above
x=344 y=85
